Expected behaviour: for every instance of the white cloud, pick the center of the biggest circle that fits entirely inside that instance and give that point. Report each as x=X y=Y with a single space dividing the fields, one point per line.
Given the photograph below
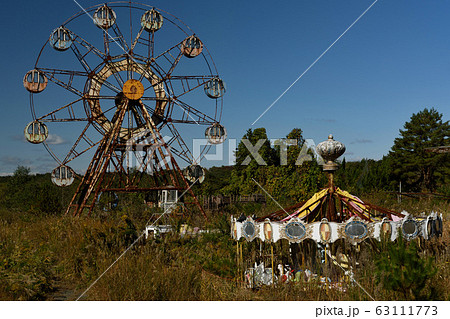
x=361 y=141
x=54 y=139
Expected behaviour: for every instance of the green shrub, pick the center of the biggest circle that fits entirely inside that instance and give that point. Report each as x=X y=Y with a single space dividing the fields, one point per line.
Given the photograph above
x=401 y=269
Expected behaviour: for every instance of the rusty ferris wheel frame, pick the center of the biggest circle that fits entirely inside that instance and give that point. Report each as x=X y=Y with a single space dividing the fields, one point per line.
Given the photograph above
x=131 y=115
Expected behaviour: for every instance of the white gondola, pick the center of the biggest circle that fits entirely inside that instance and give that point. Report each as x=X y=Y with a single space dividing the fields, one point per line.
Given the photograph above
x=61 y=39
x=152 y=20
x=36 y=132
x=192 y=47
x=35 y=81
x=194 y=173
x=215 y=88
x=63 y=176
x=104 y=17
x=216 y=133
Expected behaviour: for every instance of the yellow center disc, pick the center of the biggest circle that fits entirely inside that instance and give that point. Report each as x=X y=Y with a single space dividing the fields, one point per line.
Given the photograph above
x=133 y=89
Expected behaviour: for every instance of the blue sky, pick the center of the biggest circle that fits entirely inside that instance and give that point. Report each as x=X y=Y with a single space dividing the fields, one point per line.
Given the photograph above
x=394 y=62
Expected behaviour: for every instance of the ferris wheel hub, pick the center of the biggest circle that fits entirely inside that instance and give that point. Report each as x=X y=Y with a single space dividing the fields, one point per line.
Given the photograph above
x=133 y=89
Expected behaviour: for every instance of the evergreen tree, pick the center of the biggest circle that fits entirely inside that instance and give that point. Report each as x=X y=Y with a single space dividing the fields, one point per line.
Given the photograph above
x=400 y=268
x=411 y=163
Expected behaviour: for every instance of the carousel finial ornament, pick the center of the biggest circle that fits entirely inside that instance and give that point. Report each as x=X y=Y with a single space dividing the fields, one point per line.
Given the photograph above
x=330 y=150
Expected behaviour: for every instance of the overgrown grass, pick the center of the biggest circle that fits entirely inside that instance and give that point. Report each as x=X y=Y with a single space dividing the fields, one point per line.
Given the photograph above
x=46 y=256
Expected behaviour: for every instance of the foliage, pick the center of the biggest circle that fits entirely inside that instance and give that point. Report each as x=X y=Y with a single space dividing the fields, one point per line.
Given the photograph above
x=401 y=269
x=411 y=163
x=48 y=257
x=365 y=175
x=285 y=182
x=32 y=193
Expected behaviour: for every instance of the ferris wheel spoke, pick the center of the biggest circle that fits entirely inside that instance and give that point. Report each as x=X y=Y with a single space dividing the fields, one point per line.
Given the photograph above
x=153 y=98
x=81 y=58
x=89 y=47
x=168 y=53
x=108 y=84
x=137 y=38
x=117 y=38
x=183 y=151
x=51 y=75
x=192 y=115
x=190 y=83
x=138 y=116
x=100 y=97
x=171 y=57
x=116 y=73
x=74 y=153
x=53 y=116
x=151 y=47
x=71 y=73
x=174 y=65
x=148 y=108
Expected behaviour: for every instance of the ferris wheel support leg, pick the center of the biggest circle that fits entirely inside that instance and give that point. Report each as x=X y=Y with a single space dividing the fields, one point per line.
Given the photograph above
x=189 y=188
x=97 y=168
x=157 y=137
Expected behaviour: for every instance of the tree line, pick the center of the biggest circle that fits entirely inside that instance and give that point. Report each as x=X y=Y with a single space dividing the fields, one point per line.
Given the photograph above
x=281 y=175
x=409 y=161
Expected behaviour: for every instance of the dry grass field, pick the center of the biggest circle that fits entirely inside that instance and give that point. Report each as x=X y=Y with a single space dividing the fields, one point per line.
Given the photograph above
x=57 y=258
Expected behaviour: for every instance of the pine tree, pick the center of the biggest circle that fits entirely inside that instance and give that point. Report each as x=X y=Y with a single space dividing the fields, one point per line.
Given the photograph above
x=411 y=163
x=400 y=268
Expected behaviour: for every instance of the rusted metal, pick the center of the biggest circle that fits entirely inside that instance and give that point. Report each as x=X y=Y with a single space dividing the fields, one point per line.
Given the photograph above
x=152 y=20
x=36 y=132
x=35 y=81
x=61 y=39
x=216 y=133
x=215 y=88
x=192 y=46
x=128 y=114
x=63 y=176
x=104 y=17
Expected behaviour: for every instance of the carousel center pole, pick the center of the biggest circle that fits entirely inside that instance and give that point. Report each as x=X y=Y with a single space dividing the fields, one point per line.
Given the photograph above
x=330 y=150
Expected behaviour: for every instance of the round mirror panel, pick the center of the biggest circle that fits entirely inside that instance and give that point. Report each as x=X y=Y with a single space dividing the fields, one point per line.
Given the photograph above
x=295 y=230
x=249 y=229
x=356 y=229
x=409 y=227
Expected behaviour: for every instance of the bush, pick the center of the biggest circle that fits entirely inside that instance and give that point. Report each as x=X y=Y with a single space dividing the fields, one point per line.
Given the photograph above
x=401 y=269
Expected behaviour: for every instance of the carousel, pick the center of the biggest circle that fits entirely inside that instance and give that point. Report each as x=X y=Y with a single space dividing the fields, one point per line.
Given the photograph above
x=321 y=237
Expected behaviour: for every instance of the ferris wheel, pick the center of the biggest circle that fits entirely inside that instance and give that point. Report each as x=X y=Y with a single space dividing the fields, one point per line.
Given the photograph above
x=127 y=100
